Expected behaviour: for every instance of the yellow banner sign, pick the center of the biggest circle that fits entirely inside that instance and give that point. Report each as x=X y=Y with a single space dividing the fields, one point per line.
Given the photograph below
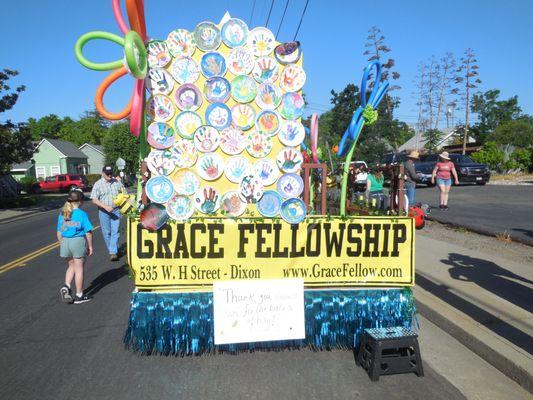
x=326 y=253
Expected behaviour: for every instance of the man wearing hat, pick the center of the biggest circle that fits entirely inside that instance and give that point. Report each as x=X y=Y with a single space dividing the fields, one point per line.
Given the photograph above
x=102 y=195
x=410 y=175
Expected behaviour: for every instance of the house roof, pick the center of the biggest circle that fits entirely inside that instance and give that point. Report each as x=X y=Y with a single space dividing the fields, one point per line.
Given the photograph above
x=68 y=149
x=24 y=166
x=417 y=142
x=97 y=147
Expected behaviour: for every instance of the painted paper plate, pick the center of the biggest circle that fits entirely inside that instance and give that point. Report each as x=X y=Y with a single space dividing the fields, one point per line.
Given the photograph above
x=181 y=43
x=289 y=159
x=268 y=96
x=237 y=167
x=210 y=166
x=270 y=204
x=234 y=32
x=292 y=133
x=161 y=108
x=292 y=105
x=261 y=41
x=160 y=135
x=293 y=211
x=159 y=189
x=153 y=217
x=158 y=54
x=292 y=78
x=207 y=36
x=218 y=115
x=206 y=139
x=232 y=204
x=159 y=81
x=185 y=70
x=266 y=69
x=290 y=185
x=240 y=61
x=268 y=122
x=207 y=200
x=185 y=153
x=185 y=182
x=243 y=116
x=161 y=162
x=259 y=145
x=266 y=170
x=188 y=97
x=288 y=53
x=251 y=189
x=180 y=208
x=213 y=64
x=232 y=140
x=217 y=90
x=243 y=89
x=186 y=124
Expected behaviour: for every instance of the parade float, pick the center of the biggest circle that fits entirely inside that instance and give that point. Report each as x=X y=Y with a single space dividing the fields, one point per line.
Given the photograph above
x=225 y=250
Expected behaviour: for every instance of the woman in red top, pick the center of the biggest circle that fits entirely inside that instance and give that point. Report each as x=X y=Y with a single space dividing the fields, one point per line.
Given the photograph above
x=444 y=170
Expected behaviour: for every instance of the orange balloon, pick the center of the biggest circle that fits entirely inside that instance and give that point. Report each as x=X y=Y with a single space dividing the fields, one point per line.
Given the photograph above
x=135 y=9
x=99 y=98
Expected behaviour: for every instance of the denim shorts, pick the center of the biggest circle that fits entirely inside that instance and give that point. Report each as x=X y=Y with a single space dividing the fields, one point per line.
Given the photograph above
x=445 y=182
x=75 y=247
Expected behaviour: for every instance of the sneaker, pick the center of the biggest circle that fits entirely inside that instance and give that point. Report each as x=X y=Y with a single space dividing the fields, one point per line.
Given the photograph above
x=441 y=207
x=82 y=299
x=66 y=294
x=445 y=208
x=113 y=257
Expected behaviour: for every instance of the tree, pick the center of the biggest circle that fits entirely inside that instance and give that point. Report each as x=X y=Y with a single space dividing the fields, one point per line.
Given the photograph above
x=8 y=99
x=446 y=84
x=517 y=133
x=490 y=154
x=119 y=142
x=48 y=126
x=468 y=77
x=433 y=137
x=90 y=128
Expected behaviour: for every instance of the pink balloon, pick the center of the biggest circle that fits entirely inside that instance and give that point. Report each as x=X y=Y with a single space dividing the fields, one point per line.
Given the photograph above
x=314 y=136
x=119 y=17
x=137 y=107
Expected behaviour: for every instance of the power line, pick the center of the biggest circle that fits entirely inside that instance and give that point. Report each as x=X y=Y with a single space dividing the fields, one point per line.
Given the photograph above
x=252 y=14
x=301 y=19
x=270 y=12
x=282 y=17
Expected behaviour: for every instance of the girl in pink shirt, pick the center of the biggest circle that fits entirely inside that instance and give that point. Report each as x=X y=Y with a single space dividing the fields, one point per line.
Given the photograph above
x=444 y=169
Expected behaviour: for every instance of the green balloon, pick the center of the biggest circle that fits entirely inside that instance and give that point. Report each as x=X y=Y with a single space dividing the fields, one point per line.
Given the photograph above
x=138 y=68
x=82 y=41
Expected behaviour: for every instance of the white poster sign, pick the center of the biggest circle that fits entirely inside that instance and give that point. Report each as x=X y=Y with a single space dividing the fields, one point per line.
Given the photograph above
x=258 y=311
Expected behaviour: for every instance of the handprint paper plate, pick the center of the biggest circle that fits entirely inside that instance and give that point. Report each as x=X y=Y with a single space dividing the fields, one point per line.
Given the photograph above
x=288 y=53
x=180 y=208
x=206 y=139
x=270 y=204
x=153 y=217
x=181 y=43
x=261 y=41
x=232 y=204
x=243 y=89
x=266 y=170
x=160 y=135
x=290 y=185
x=213 y=64
x=293 y=211
x=292 y=78
x=268 y=96
x=161 y=108
x=188 y=97
x=259 y=145
x=186 y=124
x=210 y=166
x=251 y=189
x=266 y=69
x=185 y=182
x=185 y=70
x=292 y=105
x=237 y=167
x=243 y=116
x=232 y=140
x=218 y=115
x=240 y=61
x=207 y=36
x=185 y=153
x=159 y=189
x=158 y=54
x=217 y=90
x=289 y=159
x=159 y=81
x=207 y=200
x=161 y=162
x=292 y=133
x=234 y=32
x=268 y=122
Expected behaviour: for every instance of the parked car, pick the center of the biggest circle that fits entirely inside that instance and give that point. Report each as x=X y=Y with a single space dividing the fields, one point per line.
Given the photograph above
x=63 y=182
x=468 y=171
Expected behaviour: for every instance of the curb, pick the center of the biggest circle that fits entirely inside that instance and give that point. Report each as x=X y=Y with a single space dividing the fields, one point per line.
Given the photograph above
x=492 y=348
x=26 y=214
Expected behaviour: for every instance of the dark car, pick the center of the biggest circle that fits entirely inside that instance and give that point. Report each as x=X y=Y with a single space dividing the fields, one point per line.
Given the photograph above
x=468 y=171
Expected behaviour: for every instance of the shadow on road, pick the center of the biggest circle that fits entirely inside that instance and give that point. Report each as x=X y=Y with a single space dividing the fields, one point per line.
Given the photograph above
x=106 y=278
x=526 y=232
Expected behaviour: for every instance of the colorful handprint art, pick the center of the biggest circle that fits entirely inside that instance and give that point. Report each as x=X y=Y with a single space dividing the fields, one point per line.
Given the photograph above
x=259 y=145
x=159 y=81
x=188 y=97
x=268 y=122
x=185 y=153
x=243 y=89
x=181 y=43
x=180 y=208
x=185 y=70
x=161 y=108
x=213 y=64
x=251 y=189
x=217 y=90
x=268 y=96
x=210 y=166
x=292 y=105
x=153 y=217
x=266 y=170
x=292 y=133
x=232 y=140
x=237 y=167
x=207 y=36
x=270 y=204
x=261 y=41
x=289 y=159
x=207 y=200
x=288 y=53
x=206 y=139
x=293 y=211
x=232 y=204
x=161 y=162
x=159 y=189
x=218 y=115
x=234 y=32
x=243 y=116
x=290 y=185
x=158 y=54
x=292 y=78
x=186 y=124
x=266 y=69
x=160 y=135
x=185 y=182
x=240 y=61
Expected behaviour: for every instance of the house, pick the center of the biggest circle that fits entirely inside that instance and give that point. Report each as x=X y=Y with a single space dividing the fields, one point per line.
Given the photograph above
x=21 y=170
x=417 y=142
x=95 y=157
x=54 y=157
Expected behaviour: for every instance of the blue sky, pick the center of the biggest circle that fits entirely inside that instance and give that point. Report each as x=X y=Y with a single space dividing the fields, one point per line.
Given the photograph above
x=38 y=39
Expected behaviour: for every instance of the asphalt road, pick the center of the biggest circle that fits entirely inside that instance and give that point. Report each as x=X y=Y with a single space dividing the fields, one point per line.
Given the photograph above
x=50 y=350
x=490 y=209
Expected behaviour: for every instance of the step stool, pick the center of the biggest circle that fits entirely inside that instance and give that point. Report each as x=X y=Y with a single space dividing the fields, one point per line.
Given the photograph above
x=387 y=351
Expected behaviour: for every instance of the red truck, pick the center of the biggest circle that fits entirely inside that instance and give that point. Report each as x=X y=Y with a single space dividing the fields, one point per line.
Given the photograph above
x=63 y=182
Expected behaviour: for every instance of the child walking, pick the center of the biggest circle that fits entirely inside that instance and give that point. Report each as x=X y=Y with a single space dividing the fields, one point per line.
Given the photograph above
x=74 y=232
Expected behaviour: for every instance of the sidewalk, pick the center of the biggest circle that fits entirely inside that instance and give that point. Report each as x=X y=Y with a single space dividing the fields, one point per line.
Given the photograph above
x=484 y=301
x=16 y=213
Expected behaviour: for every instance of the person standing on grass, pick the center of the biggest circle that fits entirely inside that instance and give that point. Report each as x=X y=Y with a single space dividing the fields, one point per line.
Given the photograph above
x=102 y=195
x=410 y=176
x=444 y=169
x=74 y=232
